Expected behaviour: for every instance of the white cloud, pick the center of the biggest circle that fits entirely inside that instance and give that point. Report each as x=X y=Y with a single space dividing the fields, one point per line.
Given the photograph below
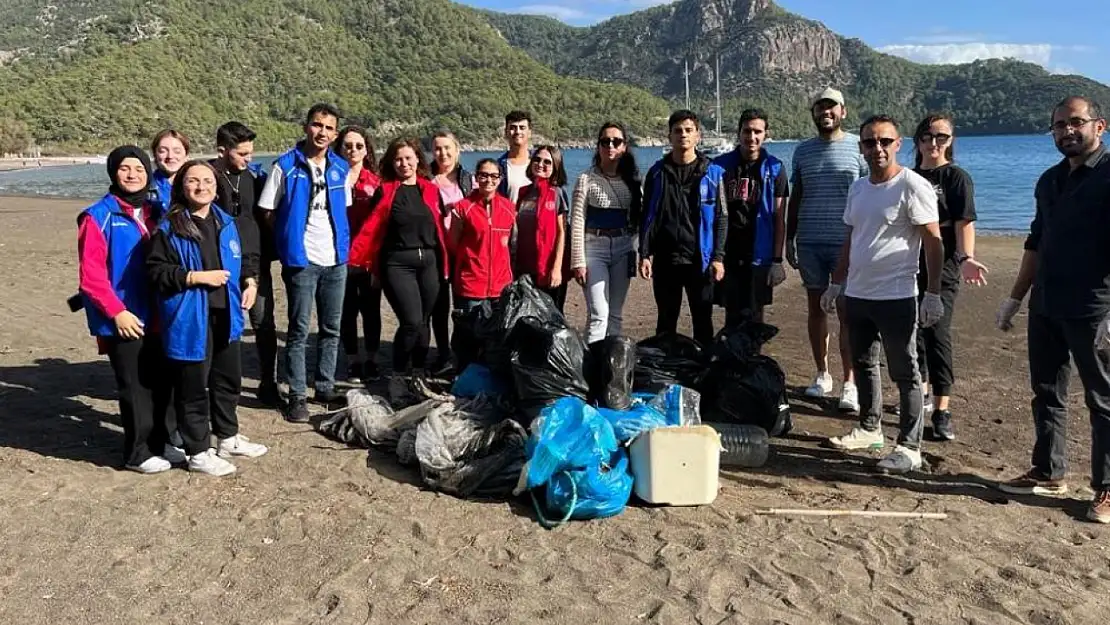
x=946 y=53
x=559 y=12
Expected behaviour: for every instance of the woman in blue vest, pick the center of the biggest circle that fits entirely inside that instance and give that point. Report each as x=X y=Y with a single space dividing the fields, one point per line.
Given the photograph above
x=195 y=264
x=118 y=306
x=170 y=149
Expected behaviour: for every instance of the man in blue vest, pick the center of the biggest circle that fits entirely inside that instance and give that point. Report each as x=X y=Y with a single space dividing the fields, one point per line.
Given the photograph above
x=682 y=244
x=306 y=198
x=756 y=188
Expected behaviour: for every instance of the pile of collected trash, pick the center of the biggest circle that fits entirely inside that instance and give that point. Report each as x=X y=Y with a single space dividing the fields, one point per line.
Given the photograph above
x=579 y=427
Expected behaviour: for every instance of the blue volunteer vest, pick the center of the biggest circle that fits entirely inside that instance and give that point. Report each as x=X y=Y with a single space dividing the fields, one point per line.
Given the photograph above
x=708 y=192
x=126 y=265
x=292 y=211
x=765 y=215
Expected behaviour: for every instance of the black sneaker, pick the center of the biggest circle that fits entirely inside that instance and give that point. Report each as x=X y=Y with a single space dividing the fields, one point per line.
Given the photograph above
x=371 y=372
x=328 y=397
x=354 y=372
x=297 y=411
x=942 y=426
x=268 y=393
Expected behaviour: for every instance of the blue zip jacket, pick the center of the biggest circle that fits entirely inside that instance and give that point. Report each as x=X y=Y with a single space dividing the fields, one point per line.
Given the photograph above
x=713 y=224
x=185 y=313
x=126 y=265
x=160 y=189
x=291 y=213
x=769 y=169
x=503 y=165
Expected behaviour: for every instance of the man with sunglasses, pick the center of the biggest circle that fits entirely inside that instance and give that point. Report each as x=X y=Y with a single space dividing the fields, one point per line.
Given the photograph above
x=306 y=199
x=1067 y=266
x=890 y=215
x=514 y=162
x=238 y=183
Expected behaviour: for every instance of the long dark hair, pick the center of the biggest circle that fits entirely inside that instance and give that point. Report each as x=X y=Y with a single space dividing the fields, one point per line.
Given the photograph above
x=558 y=171
x=369 y=161
x=626 y=168
x=180 y=215
x=386 y=169
x=923 y=128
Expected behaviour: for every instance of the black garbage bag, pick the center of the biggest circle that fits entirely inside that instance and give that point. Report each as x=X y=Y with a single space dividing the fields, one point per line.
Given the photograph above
x=752 y=392
x=739 y=343
x=521 y=300
x=468 y=448
x=477 y=337
x=612 y=366
x=668 y=359
x=548 y=362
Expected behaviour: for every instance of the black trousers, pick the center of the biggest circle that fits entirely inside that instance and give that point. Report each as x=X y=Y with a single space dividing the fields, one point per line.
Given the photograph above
x=411 y=284
x=934 y=344
x=558 y=294
x=668 y=283
x=207 y=392
x=1053 y=344
x=441 y=317
x=262 y=321
x=361 y=299
x=144 y=396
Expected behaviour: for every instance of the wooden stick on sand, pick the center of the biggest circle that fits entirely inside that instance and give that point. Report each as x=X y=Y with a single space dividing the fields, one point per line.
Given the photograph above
x=861 y=513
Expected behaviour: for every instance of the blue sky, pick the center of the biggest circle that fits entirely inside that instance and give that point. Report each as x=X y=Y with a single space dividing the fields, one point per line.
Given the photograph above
x=1063 y=38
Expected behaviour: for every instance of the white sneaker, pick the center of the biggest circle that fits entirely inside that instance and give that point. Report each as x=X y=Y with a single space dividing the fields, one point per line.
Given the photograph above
x=153 y=464
x=927 y=404
x=901 y=460
x=240 y=445
x=822 y=385
x=210 y=463
x=849 y=397
x=174 y=454
x=859 y=438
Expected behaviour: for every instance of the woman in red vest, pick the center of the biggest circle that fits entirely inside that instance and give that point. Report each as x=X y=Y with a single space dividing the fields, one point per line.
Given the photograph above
x=363 y=296
x=404 y=245
x=542 y=224
x=483 y=229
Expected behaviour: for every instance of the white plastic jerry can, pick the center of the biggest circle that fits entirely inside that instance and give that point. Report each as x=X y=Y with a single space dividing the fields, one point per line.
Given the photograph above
x=676 y=466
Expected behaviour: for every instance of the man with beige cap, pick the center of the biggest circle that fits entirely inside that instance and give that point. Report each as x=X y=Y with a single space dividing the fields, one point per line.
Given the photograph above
x=823 y=169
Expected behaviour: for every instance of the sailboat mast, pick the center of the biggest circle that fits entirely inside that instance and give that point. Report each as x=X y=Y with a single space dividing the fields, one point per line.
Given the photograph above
x=686 y=76
x=718 y=77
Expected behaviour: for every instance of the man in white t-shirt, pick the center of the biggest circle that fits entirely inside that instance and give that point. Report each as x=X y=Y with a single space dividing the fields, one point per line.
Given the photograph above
x=306 y=198
x=514 y=162
x=890 y=215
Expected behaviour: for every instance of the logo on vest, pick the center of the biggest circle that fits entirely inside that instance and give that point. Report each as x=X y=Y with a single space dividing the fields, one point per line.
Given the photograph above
x=234 y=246
x=334 y=176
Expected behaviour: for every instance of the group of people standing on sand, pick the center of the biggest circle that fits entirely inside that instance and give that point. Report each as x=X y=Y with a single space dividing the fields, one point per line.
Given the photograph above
x=177 y=257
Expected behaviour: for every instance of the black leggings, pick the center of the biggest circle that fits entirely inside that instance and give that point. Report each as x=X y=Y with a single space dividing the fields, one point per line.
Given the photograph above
x=441 y=315
x=410 y=281
x=934 y=344
x=207 y=392
x=363 y=299
x=144 y=396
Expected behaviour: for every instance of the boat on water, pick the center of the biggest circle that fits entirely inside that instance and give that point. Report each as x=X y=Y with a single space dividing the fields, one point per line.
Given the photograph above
x=717 y=143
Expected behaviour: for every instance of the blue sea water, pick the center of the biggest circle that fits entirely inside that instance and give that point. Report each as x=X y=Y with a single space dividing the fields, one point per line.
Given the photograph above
x=1004 y=168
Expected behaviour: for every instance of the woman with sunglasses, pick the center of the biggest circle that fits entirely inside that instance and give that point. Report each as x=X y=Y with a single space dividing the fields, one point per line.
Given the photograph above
x=482 y=234
x=605 y=214
x=542 y=224
x=455 y=184
x=170 y=149
x=363 y=295
x=403 y=243
x=933 y=143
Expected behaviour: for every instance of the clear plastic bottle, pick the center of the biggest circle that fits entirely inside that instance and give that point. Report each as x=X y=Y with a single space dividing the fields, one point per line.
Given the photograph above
x=742 y=445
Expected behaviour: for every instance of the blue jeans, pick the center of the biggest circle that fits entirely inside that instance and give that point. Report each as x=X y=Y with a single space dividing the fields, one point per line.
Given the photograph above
x=610 y=264
x=303 y=286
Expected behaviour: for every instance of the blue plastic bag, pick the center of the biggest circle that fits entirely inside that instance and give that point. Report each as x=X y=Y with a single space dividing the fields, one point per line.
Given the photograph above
x=641 y=417
x=573 y=450
x=477 y=380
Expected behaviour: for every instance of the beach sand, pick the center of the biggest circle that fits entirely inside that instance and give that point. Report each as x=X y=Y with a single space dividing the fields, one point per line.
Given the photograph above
x=317 y=533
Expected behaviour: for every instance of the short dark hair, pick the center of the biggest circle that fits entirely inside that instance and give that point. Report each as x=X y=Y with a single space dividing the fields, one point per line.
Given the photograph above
x=879 y=119
x=322 y=107
x=518 y=116
x=486 y=161
x=1093 y=109
x=232 y=134
x=750 y=115
x=680 y=116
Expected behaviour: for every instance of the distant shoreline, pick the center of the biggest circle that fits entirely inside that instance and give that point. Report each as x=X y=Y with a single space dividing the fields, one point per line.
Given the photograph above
x=16 y=164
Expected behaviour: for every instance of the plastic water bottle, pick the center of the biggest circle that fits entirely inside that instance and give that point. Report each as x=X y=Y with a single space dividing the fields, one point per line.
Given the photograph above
x=743 y=445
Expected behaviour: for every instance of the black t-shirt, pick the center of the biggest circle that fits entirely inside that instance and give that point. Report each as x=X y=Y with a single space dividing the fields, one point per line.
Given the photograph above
x=411 y=225
x=744 y=189
x=955 y=202
x=210 y=256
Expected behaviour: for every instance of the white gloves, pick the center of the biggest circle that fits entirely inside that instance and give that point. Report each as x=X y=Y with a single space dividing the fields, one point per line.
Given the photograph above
x=777 y=275
x=932 y=309
x=1006 y=312
x=1102 y=336
x=829 y=297
x=792 y=253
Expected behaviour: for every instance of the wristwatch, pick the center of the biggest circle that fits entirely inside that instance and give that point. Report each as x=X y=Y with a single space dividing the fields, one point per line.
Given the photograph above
x=960 y=258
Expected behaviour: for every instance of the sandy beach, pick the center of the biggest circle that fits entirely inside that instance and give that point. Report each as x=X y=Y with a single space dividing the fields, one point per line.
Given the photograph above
x=314 y=532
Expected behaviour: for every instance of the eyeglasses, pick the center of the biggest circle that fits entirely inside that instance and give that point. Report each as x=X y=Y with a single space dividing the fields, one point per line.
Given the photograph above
x=1072 y=122
x=870 y=144
x=939 y=138
x=610 y=142
x=546 y=162
x=354 y=146
x=485 y=175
